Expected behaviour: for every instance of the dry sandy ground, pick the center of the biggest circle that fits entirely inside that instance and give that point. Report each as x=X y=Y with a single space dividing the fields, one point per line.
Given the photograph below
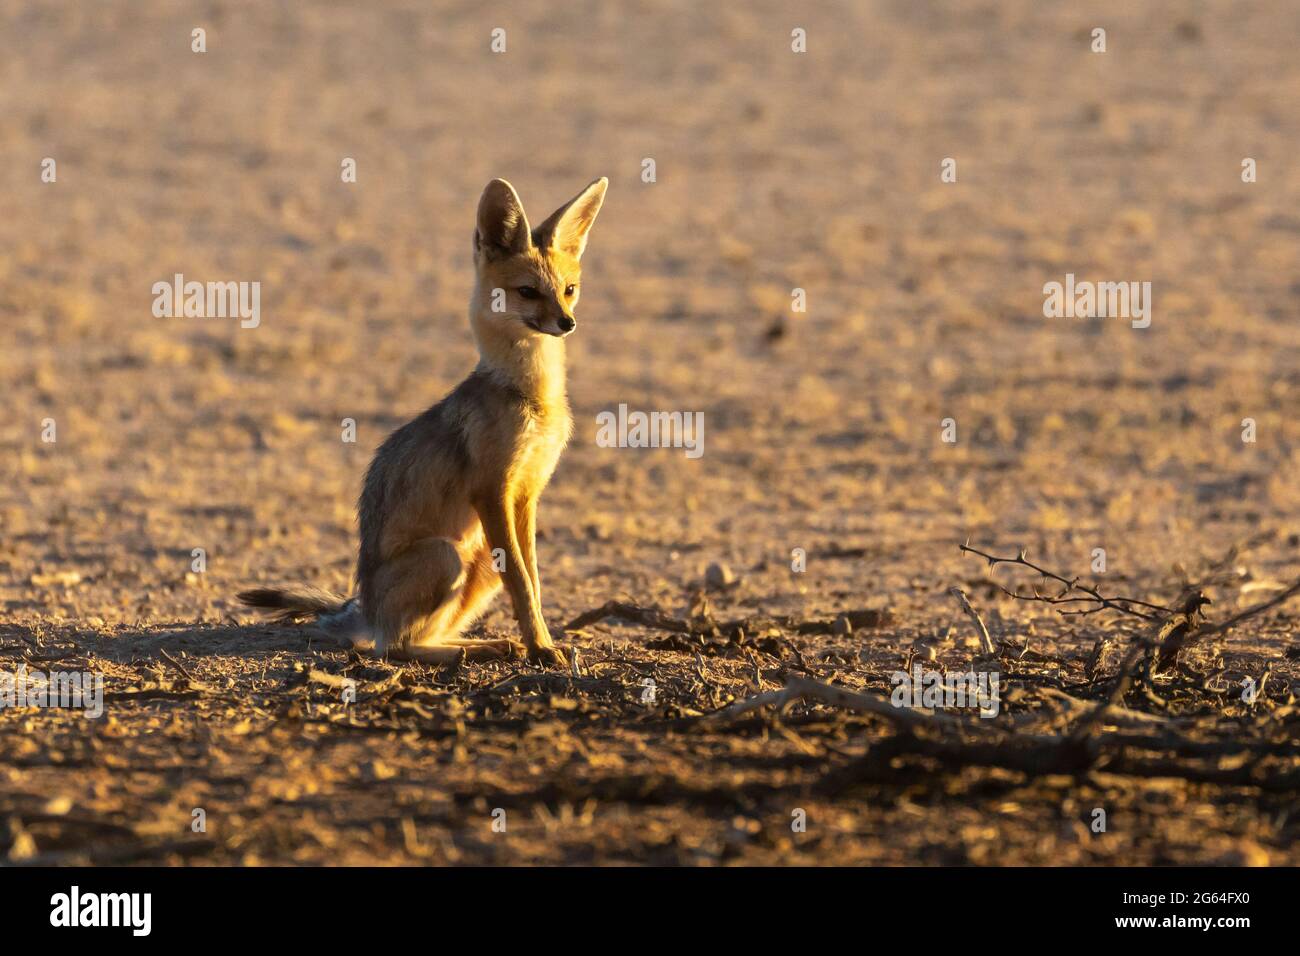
x=774 y=171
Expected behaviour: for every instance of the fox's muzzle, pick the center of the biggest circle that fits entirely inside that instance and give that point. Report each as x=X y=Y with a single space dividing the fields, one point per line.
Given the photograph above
x=559 y=327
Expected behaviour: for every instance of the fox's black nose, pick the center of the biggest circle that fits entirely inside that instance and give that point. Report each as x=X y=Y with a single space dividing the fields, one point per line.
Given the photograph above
x=567 y=323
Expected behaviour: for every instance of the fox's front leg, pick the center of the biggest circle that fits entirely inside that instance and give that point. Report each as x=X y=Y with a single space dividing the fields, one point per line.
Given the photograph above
x=526 y=530
x=498 y=521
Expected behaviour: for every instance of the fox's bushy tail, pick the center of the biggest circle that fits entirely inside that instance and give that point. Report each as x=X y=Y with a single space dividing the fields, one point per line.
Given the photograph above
x=295 y=602
x=334 y=615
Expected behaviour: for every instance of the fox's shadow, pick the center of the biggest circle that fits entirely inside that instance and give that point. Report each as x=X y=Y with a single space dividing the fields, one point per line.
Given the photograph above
x=259 y=640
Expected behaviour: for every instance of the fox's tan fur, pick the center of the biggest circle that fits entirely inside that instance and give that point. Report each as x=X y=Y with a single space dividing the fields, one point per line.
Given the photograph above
x=461 y=481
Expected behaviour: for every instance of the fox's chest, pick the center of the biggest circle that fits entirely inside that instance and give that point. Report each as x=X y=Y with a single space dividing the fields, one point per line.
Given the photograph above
x=539 y=443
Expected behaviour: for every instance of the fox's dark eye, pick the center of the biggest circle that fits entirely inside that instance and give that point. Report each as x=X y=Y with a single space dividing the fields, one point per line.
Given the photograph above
x=570 y=289
x=528 y=292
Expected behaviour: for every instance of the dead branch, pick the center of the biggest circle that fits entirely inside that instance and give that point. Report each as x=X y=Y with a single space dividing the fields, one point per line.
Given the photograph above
x=1118 y=715
x=1087 y=593
x=177 y=664
x=1236 y=619
x=797 y=687
x=1123 y=681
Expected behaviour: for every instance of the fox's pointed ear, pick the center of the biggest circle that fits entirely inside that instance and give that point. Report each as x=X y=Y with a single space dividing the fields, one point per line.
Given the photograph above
x=502 y=226
x=566 y=228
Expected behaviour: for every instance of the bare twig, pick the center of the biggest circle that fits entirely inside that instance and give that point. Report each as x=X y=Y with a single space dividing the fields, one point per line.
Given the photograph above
x=177 y=664
x=1088 y=594
x=1123 y=681
x=1117 y=715
x=1236 y=619
x=986 y=642
x=797 y=687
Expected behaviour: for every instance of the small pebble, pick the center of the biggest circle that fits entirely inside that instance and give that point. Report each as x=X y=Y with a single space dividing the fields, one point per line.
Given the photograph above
x=719 y=576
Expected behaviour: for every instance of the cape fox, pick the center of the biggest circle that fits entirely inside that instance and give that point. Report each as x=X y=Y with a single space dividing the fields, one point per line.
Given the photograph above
x=451 y=497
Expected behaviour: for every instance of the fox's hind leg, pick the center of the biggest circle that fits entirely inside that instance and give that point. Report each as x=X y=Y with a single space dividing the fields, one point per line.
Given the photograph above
x=410 y=589
x=444 y=652
x=426 y=596
x=481 y=583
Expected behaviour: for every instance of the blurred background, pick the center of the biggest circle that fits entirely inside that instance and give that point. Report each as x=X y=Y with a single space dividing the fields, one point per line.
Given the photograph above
x=774 y=170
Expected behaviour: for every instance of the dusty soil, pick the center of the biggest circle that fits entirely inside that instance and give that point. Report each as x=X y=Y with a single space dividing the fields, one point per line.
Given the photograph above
x=775 y=171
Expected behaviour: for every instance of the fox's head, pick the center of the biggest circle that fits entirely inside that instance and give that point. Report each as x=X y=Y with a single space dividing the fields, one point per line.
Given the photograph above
x=528 y=280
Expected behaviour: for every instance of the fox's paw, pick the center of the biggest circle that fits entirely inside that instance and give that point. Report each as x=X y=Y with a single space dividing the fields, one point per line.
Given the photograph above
x=548 y=655
x=500 y=650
